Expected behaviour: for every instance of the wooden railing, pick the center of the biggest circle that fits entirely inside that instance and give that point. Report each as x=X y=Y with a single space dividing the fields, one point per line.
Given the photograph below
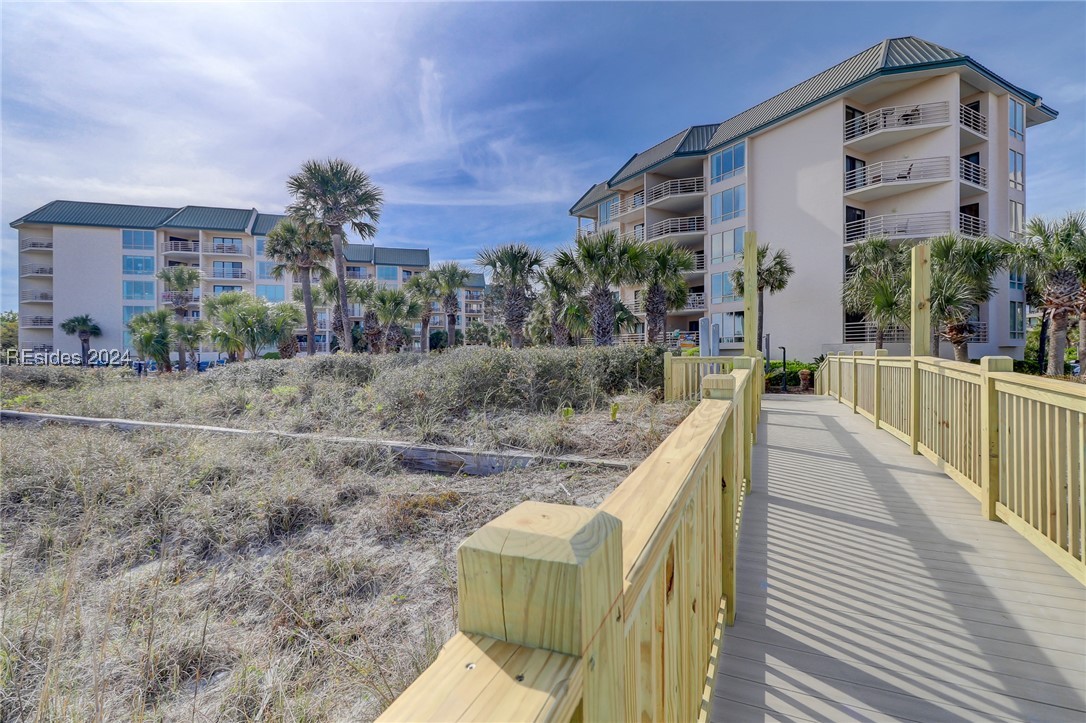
x=611 y=614
x=683 y=374
x=1016 y=442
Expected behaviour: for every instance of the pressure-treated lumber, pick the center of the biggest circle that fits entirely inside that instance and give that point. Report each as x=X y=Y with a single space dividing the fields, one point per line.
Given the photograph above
x=751 y=342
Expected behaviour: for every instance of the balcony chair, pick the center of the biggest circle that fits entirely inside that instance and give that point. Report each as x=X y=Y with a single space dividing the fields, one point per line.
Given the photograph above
x=910 y=117
x=906 y=174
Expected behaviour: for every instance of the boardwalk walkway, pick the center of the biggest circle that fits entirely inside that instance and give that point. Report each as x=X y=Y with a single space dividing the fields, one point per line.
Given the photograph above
x=871 y=589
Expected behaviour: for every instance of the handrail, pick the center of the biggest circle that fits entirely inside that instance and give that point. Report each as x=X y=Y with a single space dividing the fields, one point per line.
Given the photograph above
x=632 y=203
x=210 y=247
x=971 y=225
x=973 y=120
x=40 y=269
x=898 y=226
x=36 y=321
x=35 y=243
x=180 y=246
x=897 y=171
x=1014 y=441
x=35 y=295
x=220 y=273
x=897 y=116
x=973 y=173
x=676 y=187
x=551 y=597
x=688 y=224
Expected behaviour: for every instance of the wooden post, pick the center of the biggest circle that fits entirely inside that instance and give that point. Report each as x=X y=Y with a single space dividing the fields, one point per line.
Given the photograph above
x=855 y=377
x=920 y=304
x=751 y=364
x=667 y=376
x=750 y=294
x=722 y=386
x=877 y=411
x=550 y=576
x=989 y=433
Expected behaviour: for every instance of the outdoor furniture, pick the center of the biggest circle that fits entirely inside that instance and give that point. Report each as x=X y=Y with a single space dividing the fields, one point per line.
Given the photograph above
x=906 y=174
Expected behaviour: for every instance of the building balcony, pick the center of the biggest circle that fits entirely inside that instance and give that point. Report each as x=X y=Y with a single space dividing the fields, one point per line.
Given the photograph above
x=633 y=203
x=891 y=125
x=886 y=178
x=33 y=296
x=297 y=278
x=189 y=298
x=37 y=348
x=972 y=176
x=233 y=274
x=680 y=194
x=36 y=243
x=974 y=123
x=695 y=301
x=180 y=247
x=699 y=263
x=36 y=270
x=866 y=332
x=688 y=226
x=898 y=226
x=226 y=249
x=473 y=296
x=584 y=231
x=971 y=225
x=36 y=322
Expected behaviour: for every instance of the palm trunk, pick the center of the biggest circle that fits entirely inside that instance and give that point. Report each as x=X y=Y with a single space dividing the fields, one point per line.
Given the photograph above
x=424 y=339
x=880 y=337
x=761 y=319
x=603 y=316
x=1058 y=348
x=310 y=320
x=84 y=342
x=341 y=280
x=1042 y=345
x=559 y=331
x=450 y=330
x=182 y=364
x=936 y=337
x=655 y=313
x=961 y=352
x=337 y=324
x=1081 y=342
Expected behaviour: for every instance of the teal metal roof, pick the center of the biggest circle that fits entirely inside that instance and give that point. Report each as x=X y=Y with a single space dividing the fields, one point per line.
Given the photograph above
x=358 y=253
x=591 y=197
x=475 y=281
x=82 y=213
x=697 y=139
x=211 y=219
x=401 y=257
x=265 y=222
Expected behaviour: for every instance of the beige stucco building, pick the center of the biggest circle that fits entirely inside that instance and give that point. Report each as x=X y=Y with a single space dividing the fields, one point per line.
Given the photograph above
x=906 y=139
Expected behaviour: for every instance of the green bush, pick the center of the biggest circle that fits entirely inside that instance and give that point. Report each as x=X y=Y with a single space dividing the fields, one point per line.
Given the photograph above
x=773 y=377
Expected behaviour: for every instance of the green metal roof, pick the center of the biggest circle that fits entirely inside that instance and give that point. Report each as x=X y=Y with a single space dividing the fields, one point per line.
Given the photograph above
x=211 y=219
x=401 y=256
x=265 y=222
x=475 y=281
x=591 y=197
x=358 y=253
x=82 y=213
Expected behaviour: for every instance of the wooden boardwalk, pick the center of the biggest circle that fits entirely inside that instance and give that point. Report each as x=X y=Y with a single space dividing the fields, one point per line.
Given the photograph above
x=870 y=589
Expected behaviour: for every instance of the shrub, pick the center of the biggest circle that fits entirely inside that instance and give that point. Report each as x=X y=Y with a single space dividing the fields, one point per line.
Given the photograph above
x=773 y=378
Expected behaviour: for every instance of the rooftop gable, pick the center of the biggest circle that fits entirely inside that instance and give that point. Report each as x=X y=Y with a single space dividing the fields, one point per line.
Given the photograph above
x=84 y=213
x=209 y=218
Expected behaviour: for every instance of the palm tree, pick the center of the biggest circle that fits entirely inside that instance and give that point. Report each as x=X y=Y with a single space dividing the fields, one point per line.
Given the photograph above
x=393 y=308
x=151 y=336
x=962 y=268
x=513 y=266
x=1052 y=255
x=425 y=289
x=300 y=251
x=665 y=285
x=189 y=335
x=227 y=312
x=282 y=319
x=773 y=275
x=84 y=327
x=179 y=282
x=451 y=277
x=334 y=194
x=877 y=285
x=596 y=263
x=326 y=294
x=363 y=293
x=556 y=292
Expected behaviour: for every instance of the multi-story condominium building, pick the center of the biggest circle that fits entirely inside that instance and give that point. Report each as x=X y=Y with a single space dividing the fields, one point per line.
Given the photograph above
x=101 y=259
x=906 y=140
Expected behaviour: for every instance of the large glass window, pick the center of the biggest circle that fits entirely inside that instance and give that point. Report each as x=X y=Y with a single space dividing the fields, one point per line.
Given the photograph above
x=726 y=245
x=127 y=312
x=229 y=245
x=264 y=269
x=1018 y=279
x=1018 y=218
x=219 y=289
x=138 y=290
x=1017 y=165
x=271 y=292
x=141 y=240
x=1018 y=120
x=606 y=209
x=227 y=270
x=138 y=265
x=386 y=273
x=731 y=330
x=729 y=204
x=728 y=162
x=1018 y=320
x=260 y=245
x=722 y=288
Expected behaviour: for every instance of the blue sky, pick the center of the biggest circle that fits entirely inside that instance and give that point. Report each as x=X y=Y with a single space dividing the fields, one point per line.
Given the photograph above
x=482 y=122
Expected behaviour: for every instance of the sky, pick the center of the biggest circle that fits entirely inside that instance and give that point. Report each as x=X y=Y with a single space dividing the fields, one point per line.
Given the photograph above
x=482 y=122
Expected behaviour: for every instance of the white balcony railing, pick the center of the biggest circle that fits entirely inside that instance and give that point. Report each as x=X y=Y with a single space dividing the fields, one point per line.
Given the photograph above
x=866 y=332
x=221 y=273
x=211 y=247
x=631 y=203
x=973 y=120
x=180 y=246
x=36 y=322
x=971 y=225
x=699 y=261
x=189 y=297
x=36 y=270
x=669 y=226
x=35 y=243
x=898 y=116
x=898 y=171
x=35 y=295
x=898 y=226
x=586 y=230
x=972 y=173
x=676 y=187
x=38 y=348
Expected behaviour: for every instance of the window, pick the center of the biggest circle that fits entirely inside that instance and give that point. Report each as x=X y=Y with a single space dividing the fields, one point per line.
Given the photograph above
x=141 y=240
x=127 y=312
x=731 y=330
x=722 y=288
x=1018 y=218
x=1018 y=120
x=1018 y=279
x=227 y=270
x=139 y=290
x=138 y=265
x=729 y=204
x=729 y=162
x=605 y=210
x=229 y=245
x=217 y=289
x=270 y=292
x=1017 y=165
x=260 y=245
x=386 y=273
x=264 y=269
x=1018 y=320
x=727 y=245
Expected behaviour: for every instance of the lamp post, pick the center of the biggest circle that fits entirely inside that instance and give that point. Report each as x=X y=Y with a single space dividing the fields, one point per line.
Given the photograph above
x=784 y=370
x=767 y=348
